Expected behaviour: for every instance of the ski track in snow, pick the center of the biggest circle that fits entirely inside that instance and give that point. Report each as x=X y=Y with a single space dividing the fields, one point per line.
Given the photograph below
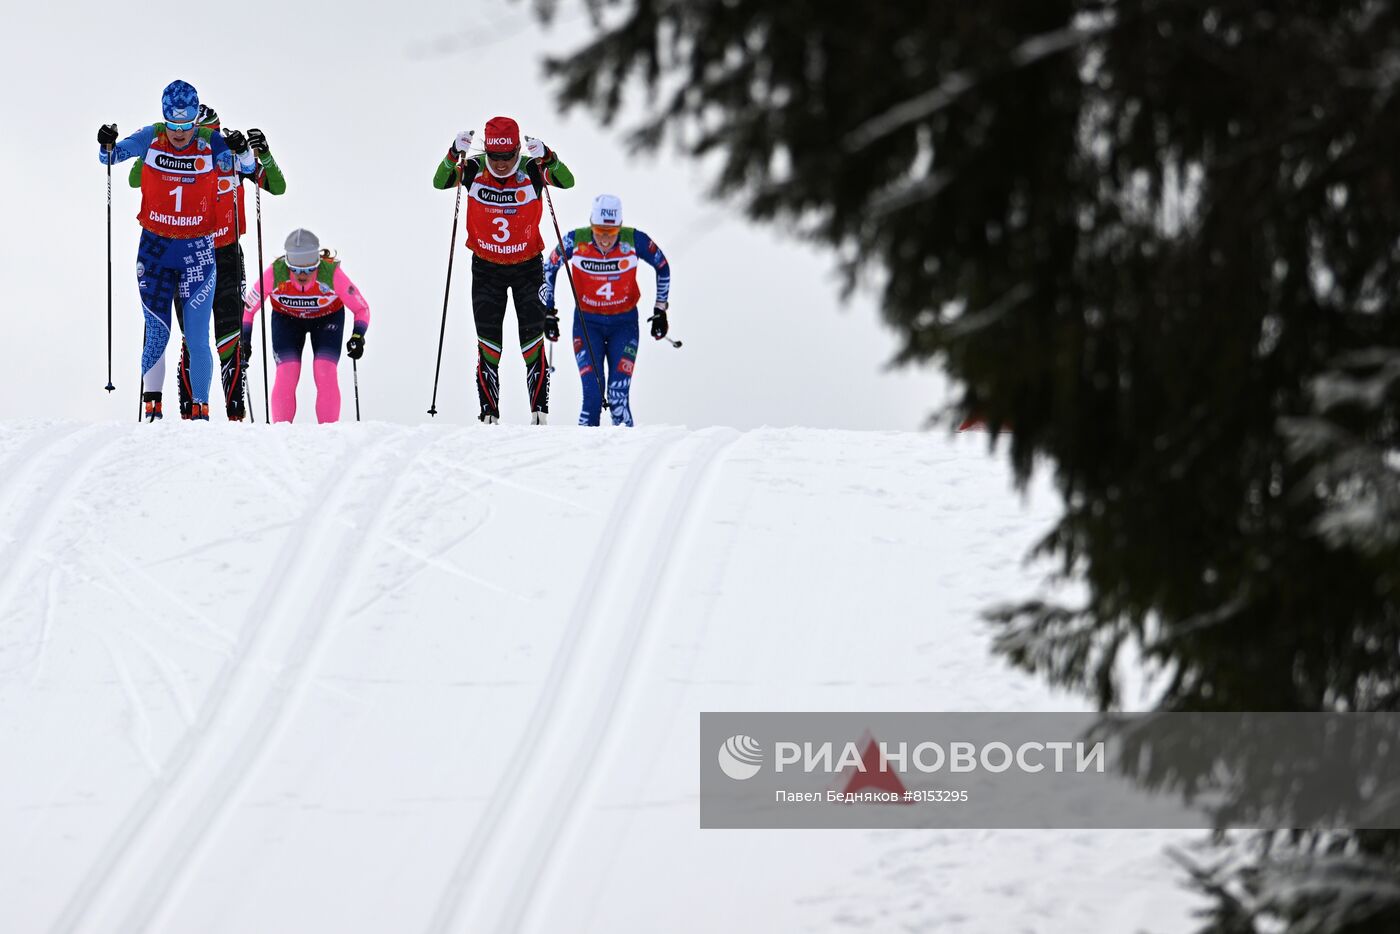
x=46 y=624
x=658 y=583
x=213 y=638
x=337 y=569
x=435 y=558
x=139 y=719
x=492 y=887
x=193 y=774
x=45 y=498
x=115 y=862
x=487 y=827
x=664 y=560
x=48 y=491
x=168 y=783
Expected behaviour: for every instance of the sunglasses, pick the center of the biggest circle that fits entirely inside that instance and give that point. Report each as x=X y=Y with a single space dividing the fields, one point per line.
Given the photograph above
x=304 y=270
x=503 y=156
x=604 y=232
x=180 y=127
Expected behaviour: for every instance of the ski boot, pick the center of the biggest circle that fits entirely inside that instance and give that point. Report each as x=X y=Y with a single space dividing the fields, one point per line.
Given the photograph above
x=489 y=416
x=539 y=418
x=236 y=411
x=199 y=412
x=152 y=400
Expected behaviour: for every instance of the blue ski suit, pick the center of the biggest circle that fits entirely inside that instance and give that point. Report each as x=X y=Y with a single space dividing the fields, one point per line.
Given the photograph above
x=165 y=265
x=614 y=335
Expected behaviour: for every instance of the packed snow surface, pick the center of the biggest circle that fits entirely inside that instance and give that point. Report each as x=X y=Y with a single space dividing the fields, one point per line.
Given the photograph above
x=390 y=678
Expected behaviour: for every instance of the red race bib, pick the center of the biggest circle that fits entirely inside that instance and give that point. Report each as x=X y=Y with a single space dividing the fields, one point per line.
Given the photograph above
x=503 y=218
x=178 y=189
x=606 y=282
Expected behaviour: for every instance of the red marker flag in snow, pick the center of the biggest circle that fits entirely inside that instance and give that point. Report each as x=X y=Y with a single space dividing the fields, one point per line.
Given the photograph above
x=874 y=776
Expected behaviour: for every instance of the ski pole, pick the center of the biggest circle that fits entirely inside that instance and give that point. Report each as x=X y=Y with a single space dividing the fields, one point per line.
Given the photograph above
x=447 y=291
x=355 y=367
x=262 y=297
x=578 y=308
x=243 y=376
x=242 y=287
x=111 y=151
x=237 y=235
x=676 y=344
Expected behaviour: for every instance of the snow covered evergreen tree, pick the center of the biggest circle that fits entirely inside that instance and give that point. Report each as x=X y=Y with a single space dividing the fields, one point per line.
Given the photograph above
x=1155 y=240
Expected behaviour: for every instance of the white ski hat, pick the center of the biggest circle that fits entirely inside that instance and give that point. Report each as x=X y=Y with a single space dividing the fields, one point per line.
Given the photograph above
x=607 y=211
x=303 y=249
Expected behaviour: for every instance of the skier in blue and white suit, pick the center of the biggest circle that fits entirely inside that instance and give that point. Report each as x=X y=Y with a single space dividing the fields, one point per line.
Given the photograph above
x=179 y=187
x=604 y=258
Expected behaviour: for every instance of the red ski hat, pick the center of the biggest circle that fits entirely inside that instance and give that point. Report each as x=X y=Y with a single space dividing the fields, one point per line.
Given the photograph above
x=502 y=134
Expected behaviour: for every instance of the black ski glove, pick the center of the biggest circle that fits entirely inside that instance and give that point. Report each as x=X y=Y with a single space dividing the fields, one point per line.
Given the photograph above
x=659 y=327
x=236 y=142
x=107 y=136
x=207 y=116
x=355 y=347
x=258 y=141
x=551 y=324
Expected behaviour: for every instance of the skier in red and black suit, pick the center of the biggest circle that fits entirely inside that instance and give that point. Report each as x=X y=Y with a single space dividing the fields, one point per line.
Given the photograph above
x=504 y=207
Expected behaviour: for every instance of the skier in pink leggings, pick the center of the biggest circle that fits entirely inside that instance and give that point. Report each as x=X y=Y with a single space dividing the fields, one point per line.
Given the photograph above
x=309 y=293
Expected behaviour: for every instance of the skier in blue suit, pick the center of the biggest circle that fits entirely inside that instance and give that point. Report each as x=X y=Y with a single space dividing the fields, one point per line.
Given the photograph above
x=604 y=258
x=179 y=188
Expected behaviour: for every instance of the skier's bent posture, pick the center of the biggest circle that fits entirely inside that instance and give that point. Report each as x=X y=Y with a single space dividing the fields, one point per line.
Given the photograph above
x=179 y=188
x=228 y=264
x=504 y=207
x=604 y=258
x=309 y=293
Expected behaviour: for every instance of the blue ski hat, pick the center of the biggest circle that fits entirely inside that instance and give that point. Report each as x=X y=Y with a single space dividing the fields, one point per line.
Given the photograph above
x=179 y=102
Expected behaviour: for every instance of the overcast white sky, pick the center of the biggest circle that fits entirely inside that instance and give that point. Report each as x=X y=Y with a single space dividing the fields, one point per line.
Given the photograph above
x=359 y=101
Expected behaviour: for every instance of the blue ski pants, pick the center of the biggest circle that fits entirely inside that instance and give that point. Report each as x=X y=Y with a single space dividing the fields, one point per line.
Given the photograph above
x=613 y=338
x=165 y=267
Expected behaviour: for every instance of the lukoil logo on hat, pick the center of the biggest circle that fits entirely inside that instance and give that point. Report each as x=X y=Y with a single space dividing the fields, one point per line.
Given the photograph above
x=502 y=133
x=740 y=757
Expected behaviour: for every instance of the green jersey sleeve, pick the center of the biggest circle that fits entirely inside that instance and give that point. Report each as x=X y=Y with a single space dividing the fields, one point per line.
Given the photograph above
x=270 y=178
x=558 y=174
x=446 y=175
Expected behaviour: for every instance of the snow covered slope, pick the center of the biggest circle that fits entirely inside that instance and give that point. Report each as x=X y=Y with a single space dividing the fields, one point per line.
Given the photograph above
x=389 y=678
